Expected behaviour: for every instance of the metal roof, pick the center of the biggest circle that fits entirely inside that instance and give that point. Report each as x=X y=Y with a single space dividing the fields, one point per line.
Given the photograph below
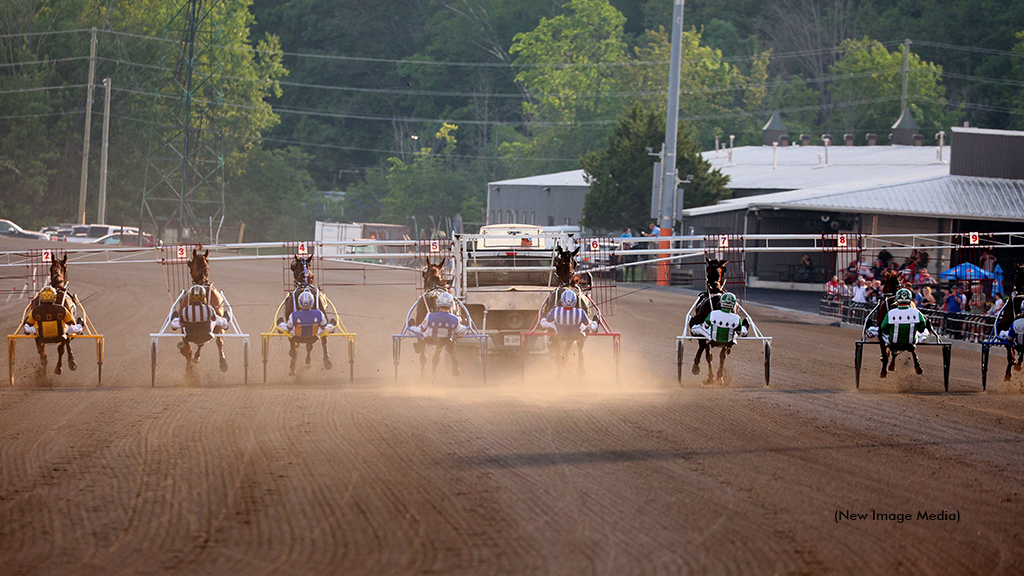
x=965 y=197
x=570 y=178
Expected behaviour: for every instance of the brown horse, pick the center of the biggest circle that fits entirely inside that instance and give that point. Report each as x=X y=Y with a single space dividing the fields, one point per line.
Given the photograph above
x=564 y=262
x=714 y=287
x=58 y=281
x=892 y=281
x=1010 y=311
x=199 y=269
x=433 y=284
x=302 y=274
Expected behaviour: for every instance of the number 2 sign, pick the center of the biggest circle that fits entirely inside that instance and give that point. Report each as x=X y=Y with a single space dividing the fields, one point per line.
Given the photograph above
x=47 y=256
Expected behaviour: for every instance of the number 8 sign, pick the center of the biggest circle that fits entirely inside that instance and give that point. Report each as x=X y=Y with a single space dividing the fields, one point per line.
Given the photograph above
x=842 y=241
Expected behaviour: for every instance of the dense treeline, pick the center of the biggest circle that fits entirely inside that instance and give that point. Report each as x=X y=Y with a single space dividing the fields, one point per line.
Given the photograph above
x=411 y=107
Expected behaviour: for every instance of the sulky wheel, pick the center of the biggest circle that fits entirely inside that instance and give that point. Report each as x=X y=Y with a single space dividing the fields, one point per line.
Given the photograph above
x=152 y=355
x=679 y=361
x=767 y=362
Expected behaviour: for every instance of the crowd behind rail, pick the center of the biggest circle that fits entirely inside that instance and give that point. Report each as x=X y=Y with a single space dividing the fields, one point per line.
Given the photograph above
x=959 y=309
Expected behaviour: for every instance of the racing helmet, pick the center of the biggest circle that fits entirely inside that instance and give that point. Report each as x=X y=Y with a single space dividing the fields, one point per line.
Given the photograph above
x=727 y=302
x=903 y=296
x=48 y=295
x=306 y=300
x=568 y=299
x=196 y=294
x=445 y=300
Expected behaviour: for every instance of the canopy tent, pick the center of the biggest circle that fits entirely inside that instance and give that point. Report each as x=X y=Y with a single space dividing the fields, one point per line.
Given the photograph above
x=966 y=271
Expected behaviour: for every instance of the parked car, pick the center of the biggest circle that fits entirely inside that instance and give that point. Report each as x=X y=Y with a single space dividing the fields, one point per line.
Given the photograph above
x=8 y=228
x=119 y=239
x=93 y=232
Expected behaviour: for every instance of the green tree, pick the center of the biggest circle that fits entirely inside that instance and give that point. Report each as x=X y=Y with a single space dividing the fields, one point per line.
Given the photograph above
x=868 y=81
x=621 y=173
x=272 y=192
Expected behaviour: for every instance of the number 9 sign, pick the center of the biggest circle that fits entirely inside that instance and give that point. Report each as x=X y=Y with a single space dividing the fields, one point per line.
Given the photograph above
x=975 y=238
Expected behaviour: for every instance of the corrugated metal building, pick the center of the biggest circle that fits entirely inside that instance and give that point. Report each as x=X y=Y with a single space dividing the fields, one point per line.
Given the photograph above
x=544 y=200
x=868 y=190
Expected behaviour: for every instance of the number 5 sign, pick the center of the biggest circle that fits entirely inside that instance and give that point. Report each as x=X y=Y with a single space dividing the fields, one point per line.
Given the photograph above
x=435 y=246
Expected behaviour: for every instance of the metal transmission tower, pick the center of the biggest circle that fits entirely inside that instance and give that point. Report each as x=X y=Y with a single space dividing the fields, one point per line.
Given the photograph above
x=183 y=194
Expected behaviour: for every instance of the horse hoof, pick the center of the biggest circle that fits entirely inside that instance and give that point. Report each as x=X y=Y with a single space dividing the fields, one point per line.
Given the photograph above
x=328 y=364
x=1017 y=367
x=883 y=374
x=57 y=370
x=309 y=361
x=695 y=369
x=223 y=365
x=918 y=370
x=418 y=346
x=710 y=381
x=721 y=381
x=456 y=370
x=73 y=365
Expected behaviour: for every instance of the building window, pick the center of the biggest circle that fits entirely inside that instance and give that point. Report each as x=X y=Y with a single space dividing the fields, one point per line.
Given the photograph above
x=551 y=220
x=508 y=214
x=533 y=218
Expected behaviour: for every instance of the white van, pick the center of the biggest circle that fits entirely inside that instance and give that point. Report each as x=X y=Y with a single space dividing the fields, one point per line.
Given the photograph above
x=93 y=232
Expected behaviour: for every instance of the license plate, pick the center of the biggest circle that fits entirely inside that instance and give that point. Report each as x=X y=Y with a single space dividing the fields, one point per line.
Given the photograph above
x=513 y=339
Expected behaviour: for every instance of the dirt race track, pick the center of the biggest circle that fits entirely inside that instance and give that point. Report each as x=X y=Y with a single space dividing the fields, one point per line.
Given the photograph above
x=542 y=475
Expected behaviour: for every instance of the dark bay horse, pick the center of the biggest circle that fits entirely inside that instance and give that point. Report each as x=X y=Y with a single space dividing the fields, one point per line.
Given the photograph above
x=58 y=281
x=714 y=286
x=1011 y=311
x=892 y=280
x=199 y=270
x=564 y=262
x=302 y=274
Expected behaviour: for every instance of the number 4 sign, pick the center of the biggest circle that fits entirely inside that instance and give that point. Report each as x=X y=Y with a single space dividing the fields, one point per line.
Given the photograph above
x=302 y=249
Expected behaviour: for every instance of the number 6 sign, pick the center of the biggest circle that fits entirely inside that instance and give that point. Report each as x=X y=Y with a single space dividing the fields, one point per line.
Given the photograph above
x=594 y=245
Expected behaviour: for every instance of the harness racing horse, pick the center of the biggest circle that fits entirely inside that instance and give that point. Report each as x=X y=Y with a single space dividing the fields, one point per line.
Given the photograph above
x=58 y=281
x=1010 y=311
x=433 y=284
x=714 y=286
x=199 y=269
x=891 y=282
x=564 y=262
x=302 y=274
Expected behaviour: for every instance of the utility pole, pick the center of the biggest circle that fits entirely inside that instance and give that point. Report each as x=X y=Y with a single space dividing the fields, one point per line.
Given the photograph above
x=670 y=179
x=101 y=217
x=88 y=126
x=906 y=74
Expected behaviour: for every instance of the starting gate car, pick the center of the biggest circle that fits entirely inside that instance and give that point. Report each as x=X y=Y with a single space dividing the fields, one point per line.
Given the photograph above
x=313 y=252
x=36 y=262
x=543 y=337
x=178 y=282
x=869 y=335
x=753 y=333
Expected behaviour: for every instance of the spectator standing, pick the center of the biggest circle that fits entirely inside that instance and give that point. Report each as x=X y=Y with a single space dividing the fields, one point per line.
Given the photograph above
x=954 y=306
x=834 y=287
x=806 y=267
x=860 y=291
x=988 y=261
x=927 y=298
x=626 y=259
